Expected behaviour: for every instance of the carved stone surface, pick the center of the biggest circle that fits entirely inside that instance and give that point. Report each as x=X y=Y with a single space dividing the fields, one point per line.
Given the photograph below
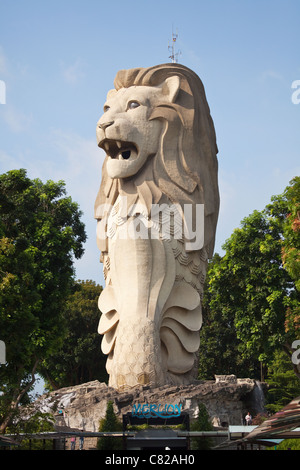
x=83 y=406
x=157 y=211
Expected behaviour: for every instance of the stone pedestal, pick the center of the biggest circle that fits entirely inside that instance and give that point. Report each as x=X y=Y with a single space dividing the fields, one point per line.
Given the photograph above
x=227 y=400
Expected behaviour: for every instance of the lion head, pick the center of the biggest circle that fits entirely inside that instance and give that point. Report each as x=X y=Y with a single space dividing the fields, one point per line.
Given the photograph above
x=160 y=141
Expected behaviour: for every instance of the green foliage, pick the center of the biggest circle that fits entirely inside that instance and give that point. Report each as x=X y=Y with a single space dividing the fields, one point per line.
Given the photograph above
x=286 y=208
x=261 y=287
x=202 y=423
x=251 y=304
x=287 y=444
x=40 y=234
x=31 y=422
x=283 y=383
x=79 y=359
x=219 y=344
x=291 y=227
x=110 y=424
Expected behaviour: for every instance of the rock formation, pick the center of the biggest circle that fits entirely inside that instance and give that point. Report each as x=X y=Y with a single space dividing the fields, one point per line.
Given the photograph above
x=227 y=399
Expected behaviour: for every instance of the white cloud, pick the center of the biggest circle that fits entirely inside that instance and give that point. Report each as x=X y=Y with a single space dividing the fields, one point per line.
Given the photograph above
x=16 y=120
x=271 y=74
x=80 y=160
x=8 y=162
x=3 y=63
x=73 y=73
x=281 y=177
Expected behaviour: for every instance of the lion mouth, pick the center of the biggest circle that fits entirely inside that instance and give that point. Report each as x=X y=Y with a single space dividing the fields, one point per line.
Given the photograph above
x=119 y=150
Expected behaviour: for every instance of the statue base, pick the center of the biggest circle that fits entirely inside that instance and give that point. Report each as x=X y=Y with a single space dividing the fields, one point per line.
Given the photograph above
x=227 y=400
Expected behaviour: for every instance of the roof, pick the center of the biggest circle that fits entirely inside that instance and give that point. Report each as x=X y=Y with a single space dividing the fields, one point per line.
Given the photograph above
x=285 y=424
x=7 y=441
x=281 y=425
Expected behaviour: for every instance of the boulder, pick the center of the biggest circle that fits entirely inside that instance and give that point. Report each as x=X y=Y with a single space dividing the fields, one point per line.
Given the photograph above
x=227 y=400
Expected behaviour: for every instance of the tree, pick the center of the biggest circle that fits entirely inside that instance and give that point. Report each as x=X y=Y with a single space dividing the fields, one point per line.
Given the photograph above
x=286 y=208
x=287 y=444
x=250 y=294
x=110 y=424
x=283 y=384
x=291 y=230
x=79 y=359
x=219 y=344
x=202 y=423
x=31 y=421
x=253 y=255
x=40 y=234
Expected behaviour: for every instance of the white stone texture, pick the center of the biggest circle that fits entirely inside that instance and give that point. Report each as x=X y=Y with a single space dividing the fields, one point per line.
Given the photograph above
x=160 y=156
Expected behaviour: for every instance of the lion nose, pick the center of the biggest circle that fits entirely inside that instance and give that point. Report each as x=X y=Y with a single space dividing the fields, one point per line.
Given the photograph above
x=104 y=125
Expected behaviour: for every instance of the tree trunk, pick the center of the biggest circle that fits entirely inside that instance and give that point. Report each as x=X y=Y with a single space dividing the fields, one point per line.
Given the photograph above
x=289 y=351
x=19 y=393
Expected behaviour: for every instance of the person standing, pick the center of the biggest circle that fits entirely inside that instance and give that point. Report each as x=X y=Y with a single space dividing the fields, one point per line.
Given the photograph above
x=248 y=419
x=73 y=443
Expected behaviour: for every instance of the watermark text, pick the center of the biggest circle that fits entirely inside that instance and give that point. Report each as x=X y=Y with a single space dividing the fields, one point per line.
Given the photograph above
x=296 y=93
x=296 y=354
x=2 y=352
x=2 y=92
x=165 y=221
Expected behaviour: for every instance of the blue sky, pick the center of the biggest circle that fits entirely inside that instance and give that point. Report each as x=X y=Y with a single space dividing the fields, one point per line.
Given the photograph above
x=58 y=59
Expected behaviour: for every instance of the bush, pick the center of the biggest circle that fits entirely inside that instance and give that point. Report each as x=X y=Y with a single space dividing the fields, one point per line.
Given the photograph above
x=288 y=444
x=202 y=423
x=110 y=424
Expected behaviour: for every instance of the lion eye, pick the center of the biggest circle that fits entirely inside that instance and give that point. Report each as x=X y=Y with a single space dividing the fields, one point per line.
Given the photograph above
x=106 y=108
x=133 y=105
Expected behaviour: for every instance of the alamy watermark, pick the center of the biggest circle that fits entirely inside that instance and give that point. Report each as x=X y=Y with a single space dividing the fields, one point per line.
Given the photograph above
x=165 y=221
x=2 y=352
x=296 y=93
x=2 y=92
x=296 y=354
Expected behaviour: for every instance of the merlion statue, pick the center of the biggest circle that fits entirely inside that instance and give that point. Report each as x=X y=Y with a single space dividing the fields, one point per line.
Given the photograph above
x=157 y=211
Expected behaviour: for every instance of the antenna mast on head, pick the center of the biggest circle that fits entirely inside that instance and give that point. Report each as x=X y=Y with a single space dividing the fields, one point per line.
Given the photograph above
x=174 y=55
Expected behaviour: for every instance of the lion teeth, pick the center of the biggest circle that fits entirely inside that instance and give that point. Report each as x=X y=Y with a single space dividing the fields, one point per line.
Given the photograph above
x=106 y=145
x=119 y=144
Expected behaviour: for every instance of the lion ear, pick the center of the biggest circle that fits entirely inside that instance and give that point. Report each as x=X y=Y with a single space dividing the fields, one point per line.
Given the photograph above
x=171 y=87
